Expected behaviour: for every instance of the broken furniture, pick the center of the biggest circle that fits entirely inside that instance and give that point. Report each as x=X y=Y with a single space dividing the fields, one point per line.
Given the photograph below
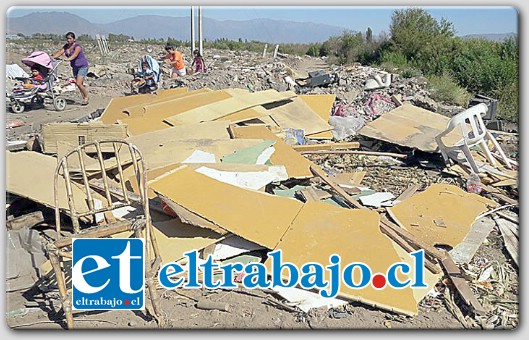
x=474 y=132
x=93 y=176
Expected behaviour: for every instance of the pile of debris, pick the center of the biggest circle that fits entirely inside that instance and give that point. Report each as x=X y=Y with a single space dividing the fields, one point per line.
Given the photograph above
x=238 y=173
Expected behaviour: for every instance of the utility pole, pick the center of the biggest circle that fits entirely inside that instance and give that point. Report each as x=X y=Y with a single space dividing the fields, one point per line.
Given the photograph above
x=192 y=29
x=200 y=30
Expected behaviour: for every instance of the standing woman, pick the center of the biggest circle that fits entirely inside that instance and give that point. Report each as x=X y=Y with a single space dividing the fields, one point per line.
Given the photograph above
x=75 y=55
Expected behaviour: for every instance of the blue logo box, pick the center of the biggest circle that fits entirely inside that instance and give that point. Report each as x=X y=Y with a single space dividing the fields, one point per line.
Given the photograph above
x=108 y=274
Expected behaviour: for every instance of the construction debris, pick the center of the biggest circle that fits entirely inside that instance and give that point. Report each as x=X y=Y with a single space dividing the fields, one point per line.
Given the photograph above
x=343 y=166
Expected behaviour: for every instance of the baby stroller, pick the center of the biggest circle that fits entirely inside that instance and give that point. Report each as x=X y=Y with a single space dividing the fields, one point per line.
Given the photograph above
x=148 y=86
x=23 y=97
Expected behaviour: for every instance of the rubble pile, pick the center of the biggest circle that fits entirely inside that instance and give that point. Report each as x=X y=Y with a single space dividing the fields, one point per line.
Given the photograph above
x=244 y=160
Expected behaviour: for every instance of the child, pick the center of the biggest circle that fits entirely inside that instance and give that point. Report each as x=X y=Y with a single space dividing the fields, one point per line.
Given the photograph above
x=145 y=77
x=176 y=60
x=36 y=79
x=198 y=61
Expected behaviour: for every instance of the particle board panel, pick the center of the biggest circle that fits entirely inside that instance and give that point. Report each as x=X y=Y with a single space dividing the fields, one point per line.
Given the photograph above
x=139 y=110
x=321 y=230
x=114 y=110
x=238 y=102
x=258 y=217
x=410 y=126
x=322 y=105
x=31 y=175
x=441 y=215
x=298 y=115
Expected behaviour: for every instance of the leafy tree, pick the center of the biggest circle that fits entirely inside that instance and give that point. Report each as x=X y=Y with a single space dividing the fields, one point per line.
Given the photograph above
x=413 y=29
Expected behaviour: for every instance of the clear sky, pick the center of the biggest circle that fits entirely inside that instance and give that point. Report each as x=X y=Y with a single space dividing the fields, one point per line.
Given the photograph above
x=466 y=20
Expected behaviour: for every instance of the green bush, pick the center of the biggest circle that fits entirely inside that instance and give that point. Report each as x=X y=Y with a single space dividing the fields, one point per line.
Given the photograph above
x=445 y=89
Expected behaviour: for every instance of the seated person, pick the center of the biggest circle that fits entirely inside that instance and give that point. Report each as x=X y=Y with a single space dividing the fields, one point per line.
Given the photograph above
x=145 y=77
x=36 y=79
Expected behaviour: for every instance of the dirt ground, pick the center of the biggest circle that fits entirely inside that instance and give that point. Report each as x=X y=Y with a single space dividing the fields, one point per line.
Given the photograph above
x=39 y=308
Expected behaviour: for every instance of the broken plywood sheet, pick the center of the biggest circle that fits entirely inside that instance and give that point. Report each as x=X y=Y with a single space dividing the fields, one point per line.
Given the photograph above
x=441 y=215
x=238 y=102
x=31 y=175
x=321 y=104
x=176 y=238
x=114 y=110
x=154 y=115
x=321 y=230
x=139 y=110
x=410 y=126
x=258 y=217
x=77 y=134
x=298 y=115
x=206 y=130
x=246 y=114
x=297 y=166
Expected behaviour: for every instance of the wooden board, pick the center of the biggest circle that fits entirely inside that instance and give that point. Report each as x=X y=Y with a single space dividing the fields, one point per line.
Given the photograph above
x=321 y=230
x=238 y=102
x=321 y=104
x=114 y=110
x=176 y=93
x=258 y=217
x=410 y=126
x=298 y=115
x=464 y=251
x=425 y=213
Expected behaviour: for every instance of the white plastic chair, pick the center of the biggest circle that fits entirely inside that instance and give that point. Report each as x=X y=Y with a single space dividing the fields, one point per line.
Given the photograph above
x=474 y=133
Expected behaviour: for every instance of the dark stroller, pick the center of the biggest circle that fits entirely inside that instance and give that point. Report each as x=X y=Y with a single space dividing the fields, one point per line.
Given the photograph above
x=23 y=97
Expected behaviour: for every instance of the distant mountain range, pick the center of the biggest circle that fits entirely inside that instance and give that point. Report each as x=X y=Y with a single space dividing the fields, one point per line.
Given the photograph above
x=153 y=26
x=493 y=37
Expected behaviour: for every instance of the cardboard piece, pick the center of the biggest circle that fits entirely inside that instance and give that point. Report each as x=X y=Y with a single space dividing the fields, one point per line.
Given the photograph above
x=297 y=166
x=410 y=126
x=440 y=202
x=21 y=170
x=238 y=102
x=79 y=134
x=258 y=217
x=321 y=230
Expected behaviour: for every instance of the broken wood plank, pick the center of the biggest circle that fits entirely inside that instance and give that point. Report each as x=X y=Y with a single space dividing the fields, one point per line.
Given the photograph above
x=408 y=192
x=326 y=146
x=461 y=285
x=25 y=221
x=355 y=152
x=386 y=223
x=464 y=251
x=407 y=247
x=311 y=194
x=509 y=238
x=513 y=219
x=321 y=174
x=210 y=305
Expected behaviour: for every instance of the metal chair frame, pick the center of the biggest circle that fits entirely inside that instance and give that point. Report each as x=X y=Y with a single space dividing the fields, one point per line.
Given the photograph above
x=59 y=249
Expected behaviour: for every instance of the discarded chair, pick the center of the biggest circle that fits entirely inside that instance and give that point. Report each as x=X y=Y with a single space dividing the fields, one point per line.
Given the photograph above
x=474 y=132
x=76 y=168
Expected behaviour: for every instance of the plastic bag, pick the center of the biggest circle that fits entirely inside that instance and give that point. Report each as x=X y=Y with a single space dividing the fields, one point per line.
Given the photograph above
x=345 y=126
